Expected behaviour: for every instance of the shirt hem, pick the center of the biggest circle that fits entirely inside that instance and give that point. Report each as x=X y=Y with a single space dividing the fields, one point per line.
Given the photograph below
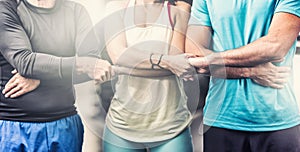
x=148 y=140
x=253 y=128
x=38 y=119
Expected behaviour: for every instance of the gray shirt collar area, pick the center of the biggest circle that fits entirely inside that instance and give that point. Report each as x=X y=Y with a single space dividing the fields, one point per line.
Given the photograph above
x=43 y=10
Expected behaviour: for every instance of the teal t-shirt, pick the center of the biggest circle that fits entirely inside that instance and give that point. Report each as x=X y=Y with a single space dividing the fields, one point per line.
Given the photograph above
x=241 y=104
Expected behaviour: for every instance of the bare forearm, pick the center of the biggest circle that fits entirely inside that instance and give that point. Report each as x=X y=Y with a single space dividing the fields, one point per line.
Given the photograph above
x=133 y=58
x=230 y=72
x=266 y=74
x=261 y=51
x=271 y=48
x=138 y=59
x=274 y=46
x=140 y=72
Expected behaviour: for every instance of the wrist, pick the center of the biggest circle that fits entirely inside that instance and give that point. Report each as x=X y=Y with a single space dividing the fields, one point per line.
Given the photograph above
x=216 y=58
x=211 y=59
x=78 y=65
x=165 y=62
x=249 y=73
x=85 y=64
x=156 y=61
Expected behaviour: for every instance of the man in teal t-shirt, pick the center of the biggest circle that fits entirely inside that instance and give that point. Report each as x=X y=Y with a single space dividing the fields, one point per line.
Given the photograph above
x=241 y=114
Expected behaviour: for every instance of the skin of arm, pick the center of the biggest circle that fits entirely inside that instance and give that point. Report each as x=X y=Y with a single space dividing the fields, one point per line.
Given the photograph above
x=273 y=47
x=266 y=74
x=140 y=72
x=198 y=43
x=131 y=57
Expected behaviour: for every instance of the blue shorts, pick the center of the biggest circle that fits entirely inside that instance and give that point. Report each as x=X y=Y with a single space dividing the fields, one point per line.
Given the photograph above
x=180 y=143
x=64 y=135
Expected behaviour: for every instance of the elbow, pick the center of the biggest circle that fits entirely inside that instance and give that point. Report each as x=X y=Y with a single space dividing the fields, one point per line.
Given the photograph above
x=114 y=56
x=23 y=70
x=24 y=63
x=276 y=53
x=119 y=62
x=115 y=61
x=279 y=57
x=277 y=50
x=119 y=59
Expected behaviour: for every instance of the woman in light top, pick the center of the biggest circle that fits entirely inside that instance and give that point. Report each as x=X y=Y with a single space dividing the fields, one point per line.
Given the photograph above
x=145 y=40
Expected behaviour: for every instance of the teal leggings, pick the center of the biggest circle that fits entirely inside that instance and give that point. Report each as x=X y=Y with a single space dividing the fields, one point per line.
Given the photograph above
x=180 y=143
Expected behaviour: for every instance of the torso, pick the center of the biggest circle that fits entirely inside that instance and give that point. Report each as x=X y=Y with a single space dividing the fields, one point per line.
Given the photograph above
x=148 y=109
x=50 y=31
x=241 y=104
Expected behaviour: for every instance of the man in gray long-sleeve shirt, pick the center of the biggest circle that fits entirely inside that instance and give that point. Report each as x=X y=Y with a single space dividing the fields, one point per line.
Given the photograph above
x=40 y=43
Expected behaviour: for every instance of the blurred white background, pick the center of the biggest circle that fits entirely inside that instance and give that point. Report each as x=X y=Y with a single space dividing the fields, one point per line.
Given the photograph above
x=96 y=8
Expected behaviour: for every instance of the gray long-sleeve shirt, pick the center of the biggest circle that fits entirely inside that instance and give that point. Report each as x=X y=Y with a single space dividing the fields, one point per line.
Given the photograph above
x=41 y=43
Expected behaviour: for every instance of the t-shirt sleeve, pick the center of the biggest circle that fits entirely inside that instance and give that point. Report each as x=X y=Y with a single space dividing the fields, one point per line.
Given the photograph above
x=15 y=47
x=288 y=6
x=199 y=13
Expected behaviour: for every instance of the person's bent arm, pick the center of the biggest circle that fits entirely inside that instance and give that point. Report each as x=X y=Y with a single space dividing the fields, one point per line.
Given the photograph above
x=273 y=47
x=267 y=74
x=119 y=70
x=133 y=57
x=16 y=49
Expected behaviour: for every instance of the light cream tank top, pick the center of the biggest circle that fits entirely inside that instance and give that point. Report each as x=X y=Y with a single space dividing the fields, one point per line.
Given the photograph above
x=148 y=109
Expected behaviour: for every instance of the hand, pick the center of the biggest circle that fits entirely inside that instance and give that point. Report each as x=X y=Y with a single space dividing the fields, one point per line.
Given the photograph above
x=102 y=71
x=198 y=62
x=179 y=65
x=204 y=71
x=19 y=85
x=270 y=75
x=97 y=69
